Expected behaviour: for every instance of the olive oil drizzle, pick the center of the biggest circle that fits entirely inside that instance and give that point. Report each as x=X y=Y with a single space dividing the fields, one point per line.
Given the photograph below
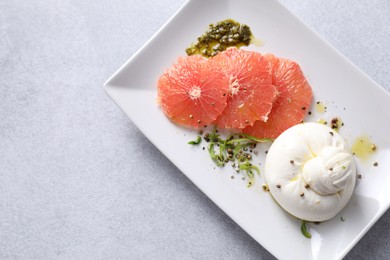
x=363 y=147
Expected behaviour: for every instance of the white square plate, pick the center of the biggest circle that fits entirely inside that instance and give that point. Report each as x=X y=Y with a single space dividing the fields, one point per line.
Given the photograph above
x=348 y=93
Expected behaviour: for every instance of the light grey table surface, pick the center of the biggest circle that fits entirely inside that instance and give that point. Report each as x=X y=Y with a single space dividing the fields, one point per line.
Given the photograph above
x=79 y=181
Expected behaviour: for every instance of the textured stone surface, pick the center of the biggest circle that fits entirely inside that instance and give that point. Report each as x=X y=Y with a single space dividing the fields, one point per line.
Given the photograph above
x=79 y=181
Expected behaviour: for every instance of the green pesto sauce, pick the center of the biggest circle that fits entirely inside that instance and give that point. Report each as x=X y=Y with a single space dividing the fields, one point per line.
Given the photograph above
x=219 y=37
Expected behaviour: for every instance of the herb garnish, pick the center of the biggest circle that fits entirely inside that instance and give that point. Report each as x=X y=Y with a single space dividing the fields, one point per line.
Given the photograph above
x=304 y=230
x=219 y=37
x=198 y=140
x=233 y=149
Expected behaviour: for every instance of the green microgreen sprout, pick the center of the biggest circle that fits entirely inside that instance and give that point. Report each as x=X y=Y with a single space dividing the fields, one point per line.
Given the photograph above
x=233 y=149
x=304 y=230
x=198 y=140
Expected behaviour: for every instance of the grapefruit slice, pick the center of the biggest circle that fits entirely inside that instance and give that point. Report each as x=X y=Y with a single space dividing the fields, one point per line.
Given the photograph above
x=251 y=92
x=191 y=92
x=292 y=103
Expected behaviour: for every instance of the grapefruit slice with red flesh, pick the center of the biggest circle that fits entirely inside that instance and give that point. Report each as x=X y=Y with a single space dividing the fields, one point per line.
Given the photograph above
x=292 y=103
x=192 y=92
x=251 y=92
